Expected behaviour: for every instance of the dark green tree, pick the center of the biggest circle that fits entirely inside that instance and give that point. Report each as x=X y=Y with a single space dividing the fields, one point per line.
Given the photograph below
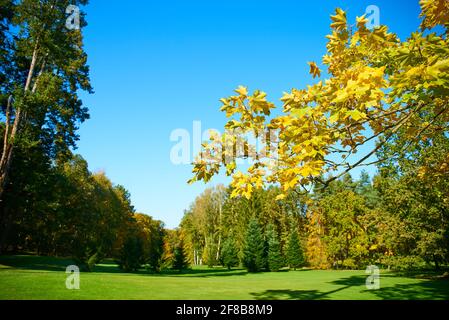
x=157 y=245
x=295 y=253
x=230 y=254
x=131 y=254
x=275 y=259
x=180 y=260
x=254 y=248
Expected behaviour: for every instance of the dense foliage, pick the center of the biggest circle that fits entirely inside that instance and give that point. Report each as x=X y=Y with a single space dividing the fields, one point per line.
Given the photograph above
x=392 y=220
x=297 y=206
x=376 y=87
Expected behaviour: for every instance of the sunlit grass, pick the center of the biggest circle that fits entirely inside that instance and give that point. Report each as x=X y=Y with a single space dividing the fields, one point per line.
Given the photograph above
x=24 y=277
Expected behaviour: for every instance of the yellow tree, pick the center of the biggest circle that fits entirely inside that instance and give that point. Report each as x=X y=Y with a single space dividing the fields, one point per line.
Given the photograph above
x=377 y=86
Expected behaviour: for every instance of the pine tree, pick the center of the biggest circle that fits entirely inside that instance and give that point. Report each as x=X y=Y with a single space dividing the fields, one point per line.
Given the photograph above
x=275 y=260
x=180 y=260
x=230 y=254
x=295 y=254
x=254 y=248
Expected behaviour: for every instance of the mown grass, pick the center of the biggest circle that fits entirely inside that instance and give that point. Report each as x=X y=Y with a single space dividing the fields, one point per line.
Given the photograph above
x=28 y=277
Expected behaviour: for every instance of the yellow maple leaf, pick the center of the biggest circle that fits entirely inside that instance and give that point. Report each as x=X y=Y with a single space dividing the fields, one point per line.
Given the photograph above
x=242 y=90
x=356 y=115
x=280 y=197
x=339 y=20
x=314 y=70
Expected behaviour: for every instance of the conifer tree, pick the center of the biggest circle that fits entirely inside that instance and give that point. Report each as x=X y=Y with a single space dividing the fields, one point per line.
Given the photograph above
x=230 y=254
x=295 y=254
x=180 y=260
x=275 y=260
x=254 y=248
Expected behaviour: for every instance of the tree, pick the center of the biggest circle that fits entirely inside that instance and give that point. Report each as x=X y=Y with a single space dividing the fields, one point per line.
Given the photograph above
x=230 y=254
x=42 y=69
x=156 y=245
x=6 y=14
x=46 y=67
x=151 y=234
x=316 y=251
x=65 y=210
x=375 y=82
x=180 y=260
x=346 y=236
x=253 y=254
x=204 y=226
x=131 y=254
x=275 y=260
x=295 y=254
x=201 y=219
x=418 y=214
x=209 y=254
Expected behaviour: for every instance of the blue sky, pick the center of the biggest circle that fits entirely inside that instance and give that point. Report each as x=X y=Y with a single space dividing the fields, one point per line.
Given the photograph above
x=160 y=65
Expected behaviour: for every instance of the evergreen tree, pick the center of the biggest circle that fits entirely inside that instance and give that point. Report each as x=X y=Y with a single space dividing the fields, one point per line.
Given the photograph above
x=295 y=254
x=275 y=260
x=180 y=260
x=230 y=254
x=131 y=254
x=254 y=248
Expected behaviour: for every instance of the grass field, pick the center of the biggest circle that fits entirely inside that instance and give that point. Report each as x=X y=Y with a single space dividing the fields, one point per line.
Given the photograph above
x=27 y=277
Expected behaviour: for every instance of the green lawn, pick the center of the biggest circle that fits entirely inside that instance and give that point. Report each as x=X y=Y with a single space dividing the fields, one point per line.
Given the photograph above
x=26 y=277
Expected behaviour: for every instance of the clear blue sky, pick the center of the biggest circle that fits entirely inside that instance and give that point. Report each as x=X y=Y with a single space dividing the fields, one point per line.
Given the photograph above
x=160 y=65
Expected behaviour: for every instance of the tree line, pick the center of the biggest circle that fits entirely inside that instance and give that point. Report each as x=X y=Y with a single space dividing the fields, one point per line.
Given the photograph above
x=393 y=220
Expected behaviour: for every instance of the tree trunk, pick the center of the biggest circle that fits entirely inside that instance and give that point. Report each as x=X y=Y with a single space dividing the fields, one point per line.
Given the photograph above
x=218 y=248
x=8 y=139
x=219 y=230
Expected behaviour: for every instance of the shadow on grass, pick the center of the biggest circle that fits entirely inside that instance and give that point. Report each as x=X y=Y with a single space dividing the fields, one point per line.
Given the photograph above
x=309 y=294
x=425 y=290
x=36 y=263
x=203 y=273
x=111 y=267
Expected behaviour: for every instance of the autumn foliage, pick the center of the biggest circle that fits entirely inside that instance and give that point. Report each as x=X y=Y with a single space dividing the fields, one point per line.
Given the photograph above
x=376 y=87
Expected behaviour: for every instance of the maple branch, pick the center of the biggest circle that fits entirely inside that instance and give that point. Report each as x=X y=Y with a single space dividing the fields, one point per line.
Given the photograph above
x=377 y=148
